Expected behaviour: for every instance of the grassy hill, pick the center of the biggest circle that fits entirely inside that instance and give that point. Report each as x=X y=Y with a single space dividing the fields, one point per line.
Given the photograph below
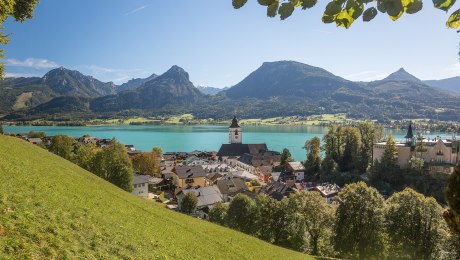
x=51 y=208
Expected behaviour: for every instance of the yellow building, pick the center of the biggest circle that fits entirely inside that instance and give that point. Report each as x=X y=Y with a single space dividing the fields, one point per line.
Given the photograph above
x=442 y=154
x=189 y=176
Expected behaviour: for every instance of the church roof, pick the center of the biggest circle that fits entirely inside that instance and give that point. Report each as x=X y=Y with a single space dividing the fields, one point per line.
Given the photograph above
x=234 y=123
x=409 y=134
x=240 y=149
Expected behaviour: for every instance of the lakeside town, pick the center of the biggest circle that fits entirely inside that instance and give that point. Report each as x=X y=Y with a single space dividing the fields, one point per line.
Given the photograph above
x=253 y=169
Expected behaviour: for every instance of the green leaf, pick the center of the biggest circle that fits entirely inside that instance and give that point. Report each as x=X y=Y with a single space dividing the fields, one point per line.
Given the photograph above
x=344 y=19
x=266 y=2
x=394 y=8
x=308 y=3
x=238 y=3
x=414 y=7
x=272 y=9
x=354 y=8
x=285 y=10
x=332 y=10
x=454 y=20
x=444 y=5
x=369 y=14
x=294 y=3
x=381 y=6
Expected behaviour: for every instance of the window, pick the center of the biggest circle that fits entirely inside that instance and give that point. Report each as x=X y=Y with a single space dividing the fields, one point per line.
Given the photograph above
x=189 y=180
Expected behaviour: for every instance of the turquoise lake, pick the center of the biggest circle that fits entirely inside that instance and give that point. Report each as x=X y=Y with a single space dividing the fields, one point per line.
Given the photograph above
x=175 y=138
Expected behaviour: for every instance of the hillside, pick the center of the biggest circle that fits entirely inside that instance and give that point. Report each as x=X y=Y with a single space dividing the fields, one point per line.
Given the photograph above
x=450 y=84
x=289 y=79
x=52 y=208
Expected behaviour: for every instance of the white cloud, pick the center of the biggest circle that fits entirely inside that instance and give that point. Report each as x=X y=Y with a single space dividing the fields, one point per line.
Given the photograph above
x=136 y=10
x=32 y=63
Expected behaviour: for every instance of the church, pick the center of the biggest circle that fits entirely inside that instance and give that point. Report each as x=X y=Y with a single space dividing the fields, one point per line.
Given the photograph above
x=235 y=150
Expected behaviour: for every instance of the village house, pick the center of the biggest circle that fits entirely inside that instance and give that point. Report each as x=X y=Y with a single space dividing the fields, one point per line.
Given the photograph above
x=141 y=185
x=441 y=154
x=297 y=169
x=230 y=187
x=189 y=176
x=328 y=191
x=35 y=140
x=207 y=196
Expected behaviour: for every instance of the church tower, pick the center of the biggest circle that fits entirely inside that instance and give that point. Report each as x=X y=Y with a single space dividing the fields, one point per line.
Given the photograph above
x=410 y=135
x=235 y=135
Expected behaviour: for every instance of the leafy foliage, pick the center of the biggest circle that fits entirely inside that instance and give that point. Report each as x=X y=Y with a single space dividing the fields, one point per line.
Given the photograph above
x=217 y=214
x=344 y=12
x=359 y=228
x=241 y=213
x=286 y=156
x=452 y=215
x=62 y=145
x=415 y=224
x=147 y=163
x=189 y=203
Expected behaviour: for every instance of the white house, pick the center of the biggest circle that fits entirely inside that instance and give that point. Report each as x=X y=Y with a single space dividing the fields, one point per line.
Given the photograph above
x=141 y=185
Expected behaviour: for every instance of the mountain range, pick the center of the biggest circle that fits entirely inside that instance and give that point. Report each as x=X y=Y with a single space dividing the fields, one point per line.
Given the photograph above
x=281 y=88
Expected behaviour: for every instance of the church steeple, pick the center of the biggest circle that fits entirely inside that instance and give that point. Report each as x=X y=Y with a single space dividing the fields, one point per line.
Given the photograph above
x=234 y=123
x=235 y=135
x=410 y=135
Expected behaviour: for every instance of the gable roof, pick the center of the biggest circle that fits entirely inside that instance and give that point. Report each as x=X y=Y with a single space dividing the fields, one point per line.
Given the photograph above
x=231 y=185
x=192 y=171
x=139 y=179
x=240 y=149
x=206 y=195
x=296 y=166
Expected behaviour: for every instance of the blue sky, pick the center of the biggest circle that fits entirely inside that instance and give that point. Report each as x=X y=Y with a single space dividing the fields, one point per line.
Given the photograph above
x=115 y=40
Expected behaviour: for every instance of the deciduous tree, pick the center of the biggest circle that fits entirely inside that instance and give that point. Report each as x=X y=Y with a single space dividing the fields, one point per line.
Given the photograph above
x=189 y=203
x=241 y=214
x=313 y=162
x=113 y=164
x=84 y=155
x=62 y=145
x=218 y=213
x=147 y=163
x=317 y=218
x=359 y=227
x=415 y=224
x=452 y=214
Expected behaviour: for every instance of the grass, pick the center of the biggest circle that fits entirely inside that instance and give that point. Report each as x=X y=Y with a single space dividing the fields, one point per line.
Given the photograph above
x=51 y=208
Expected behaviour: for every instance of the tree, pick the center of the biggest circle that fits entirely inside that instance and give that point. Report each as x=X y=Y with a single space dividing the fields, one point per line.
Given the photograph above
x=113 y=164
x=1 y=130
x=241 y=214
x=84 y=155
x=189 y=203
x=387 y=170
x=313 y=162
x=317 y=218
x=20 y=10
x=146 y=164
x=62 y=145
x=359 y=227
x=273 y=222
x=286 y=156
x=34 y=134
x=452 y=214
x=370 y=134
x=332 y=143
x=218 y=213
x=420 y=147
x=157 y=150
x=415 y=225
x=344 y=12
x=350 y=143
